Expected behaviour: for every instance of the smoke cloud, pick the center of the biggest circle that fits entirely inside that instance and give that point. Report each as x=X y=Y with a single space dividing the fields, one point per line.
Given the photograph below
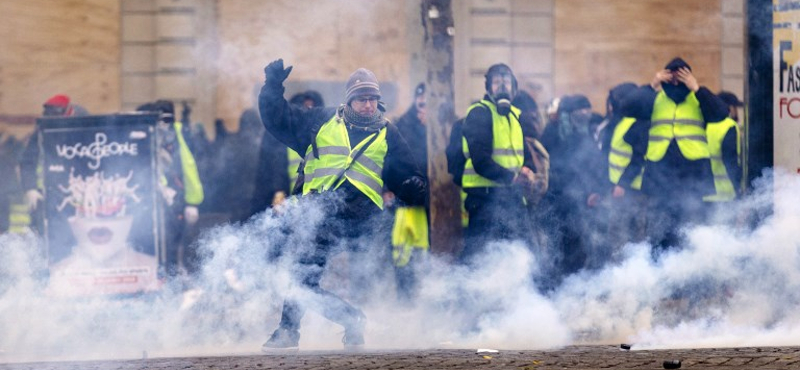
x=736 y=282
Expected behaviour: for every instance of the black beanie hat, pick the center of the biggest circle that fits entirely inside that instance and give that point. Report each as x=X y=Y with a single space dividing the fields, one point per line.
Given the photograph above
x=571 y=103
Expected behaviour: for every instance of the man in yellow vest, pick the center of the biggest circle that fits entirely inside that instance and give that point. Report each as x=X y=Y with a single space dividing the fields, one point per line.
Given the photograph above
x=627 y=204
x=724 y=145
x=669 y=140
x=498 y=166
x=351 y=153
x=179 y=182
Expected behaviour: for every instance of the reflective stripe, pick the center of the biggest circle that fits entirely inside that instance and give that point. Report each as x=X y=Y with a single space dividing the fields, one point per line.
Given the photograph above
x=691 y=122
x=716 y=157
x=691 y=137
x=295 y=161
x=661 y=122
x=470 y=171
x=369 y=164
x=721 y=177
x=621 y=168
x=366 y=180
x=659 y=138
x=322 y=172
x=621 y=153
x=340 y=150
x=504 y=152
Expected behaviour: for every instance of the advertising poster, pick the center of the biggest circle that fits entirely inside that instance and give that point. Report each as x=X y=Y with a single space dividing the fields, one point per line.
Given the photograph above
x=786 y=78
x=101 y=217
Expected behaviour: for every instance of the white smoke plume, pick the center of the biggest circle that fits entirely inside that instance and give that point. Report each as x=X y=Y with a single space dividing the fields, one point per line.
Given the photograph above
x=734 y=284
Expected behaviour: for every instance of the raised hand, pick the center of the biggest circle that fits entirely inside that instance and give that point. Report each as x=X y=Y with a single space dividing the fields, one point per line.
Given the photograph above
x=275 y=73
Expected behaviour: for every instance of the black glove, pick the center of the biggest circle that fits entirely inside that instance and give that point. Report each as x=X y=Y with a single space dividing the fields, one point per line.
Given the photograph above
x=417 y=188
x=274 y=72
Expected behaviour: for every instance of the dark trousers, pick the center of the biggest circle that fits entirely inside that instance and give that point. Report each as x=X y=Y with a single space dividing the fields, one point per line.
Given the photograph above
x=309 y=266
x=494 y=214
x=309 y=269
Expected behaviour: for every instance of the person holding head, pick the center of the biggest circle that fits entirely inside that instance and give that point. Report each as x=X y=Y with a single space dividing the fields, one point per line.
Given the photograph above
x=351 y=153
x=497 y=174
x=669 y=140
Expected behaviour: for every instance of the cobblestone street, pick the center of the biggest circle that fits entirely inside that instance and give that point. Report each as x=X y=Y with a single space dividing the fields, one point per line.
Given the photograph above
x=577 y=357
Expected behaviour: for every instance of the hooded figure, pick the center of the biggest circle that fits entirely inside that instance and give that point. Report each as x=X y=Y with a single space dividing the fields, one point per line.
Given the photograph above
x=576 y=180
x=669 y=141
x=351 y=153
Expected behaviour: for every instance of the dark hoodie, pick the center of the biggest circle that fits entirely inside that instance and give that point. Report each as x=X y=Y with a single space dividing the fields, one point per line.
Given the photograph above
x=660 y=177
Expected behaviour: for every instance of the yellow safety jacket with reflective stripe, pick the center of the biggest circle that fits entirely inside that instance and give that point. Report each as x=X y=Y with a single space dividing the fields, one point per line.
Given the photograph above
x=410 y=230
x=335 y=154
x=620 y=154
x=507 y=147
x=682 y=122
x=294 y=163
x=193 y=194
x=722 y=182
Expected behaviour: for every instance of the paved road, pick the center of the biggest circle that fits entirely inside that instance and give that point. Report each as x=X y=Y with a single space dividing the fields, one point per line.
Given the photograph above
x=577 y=357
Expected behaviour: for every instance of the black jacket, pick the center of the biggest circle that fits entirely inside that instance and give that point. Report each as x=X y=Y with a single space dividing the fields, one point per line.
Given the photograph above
x=296 y=127
x=415 y=134
x=660 y=177
x=477 y=129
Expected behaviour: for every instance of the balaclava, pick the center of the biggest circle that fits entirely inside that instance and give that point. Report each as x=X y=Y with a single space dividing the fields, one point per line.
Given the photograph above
x=676 y=92
x=502 y=98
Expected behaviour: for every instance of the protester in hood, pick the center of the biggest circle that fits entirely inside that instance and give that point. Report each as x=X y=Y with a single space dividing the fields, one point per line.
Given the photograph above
x=498 y=172
x=576 y=182
x=669 y=141
x=627 y=204
x=351 y=153
x=56 y=106
x=724 y=145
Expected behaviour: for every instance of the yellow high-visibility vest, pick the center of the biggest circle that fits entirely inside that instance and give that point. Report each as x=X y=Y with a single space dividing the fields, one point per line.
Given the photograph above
x=683 y=123
x=294 y=163
x=335 y=154
x=507 y=147
x=193 y=194
x=621 y=153
x=410 y=230
x=722 y=182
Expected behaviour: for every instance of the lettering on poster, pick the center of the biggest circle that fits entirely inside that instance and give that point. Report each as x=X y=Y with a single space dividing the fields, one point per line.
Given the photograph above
x=96 y=151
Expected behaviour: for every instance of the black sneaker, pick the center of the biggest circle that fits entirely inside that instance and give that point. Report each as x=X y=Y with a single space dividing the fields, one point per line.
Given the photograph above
x=282 y=339
x=354 y=333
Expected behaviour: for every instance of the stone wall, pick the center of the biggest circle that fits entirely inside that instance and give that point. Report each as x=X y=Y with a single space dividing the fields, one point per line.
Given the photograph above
x=58 y=47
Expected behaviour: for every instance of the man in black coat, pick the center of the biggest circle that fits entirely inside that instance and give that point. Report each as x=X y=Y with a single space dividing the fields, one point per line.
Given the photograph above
x=350 y=153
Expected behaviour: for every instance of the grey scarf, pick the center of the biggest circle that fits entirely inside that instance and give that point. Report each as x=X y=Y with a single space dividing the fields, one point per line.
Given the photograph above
x=355 y=120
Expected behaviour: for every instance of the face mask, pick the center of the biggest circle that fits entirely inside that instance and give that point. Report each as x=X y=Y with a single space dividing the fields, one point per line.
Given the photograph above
x=580 y=119
x=503 y=101
x=675 y=92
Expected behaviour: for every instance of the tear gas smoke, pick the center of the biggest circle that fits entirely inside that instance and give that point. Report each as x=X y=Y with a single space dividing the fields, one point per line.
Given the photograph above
x=729 y=286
